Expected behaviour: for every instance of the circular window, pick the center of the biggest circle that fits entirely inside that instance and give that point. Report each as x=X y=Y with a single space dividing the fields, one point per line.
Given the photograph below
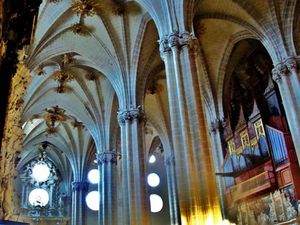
x=156 y=203
x=40 y=171
x=153 y=179
x=152 y=159
x=93 y=200
x=93 y=176
x=38 y=197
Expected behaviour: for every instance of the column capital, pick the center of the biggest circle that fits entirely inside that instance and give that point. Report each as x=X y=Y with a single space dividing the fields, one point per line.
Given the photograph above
x=170 y=160
x=177 y=40
x=285 y=68
x=79 y=186
x=279 y=71
x=164 y=48
x=128 y=115
x=108 y=157
x=189 y=40
x=292 y=64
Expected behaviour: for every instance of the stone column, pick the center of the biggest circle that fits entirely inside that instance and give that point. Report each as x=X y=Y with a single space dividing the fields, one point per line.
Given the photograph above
x=68 y=206
x=172 y=190
x=218 y=157
x=51 y=197
x=107 y=165
x=135 y=203
x=195 y=175
x=23 y=197
x=27 y=197
x=78 y=190
x=286 y=75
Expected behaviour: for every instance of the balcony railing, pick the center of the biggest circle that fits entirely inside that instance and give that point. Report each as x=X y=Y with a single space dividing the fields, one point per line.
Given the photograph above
x=251 y=186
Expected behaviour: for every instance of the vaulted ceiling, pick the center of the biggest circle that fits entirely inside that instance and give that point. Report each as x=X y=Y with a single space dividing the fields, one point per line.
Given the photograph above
x=113 y=62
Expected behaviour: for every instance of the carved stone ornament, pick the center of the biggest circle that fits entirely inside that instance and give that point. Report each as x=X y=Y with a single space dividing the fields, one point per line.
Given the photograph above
x=291 y=64
x=12 y=141
x=54 y=117
x=131 y=114
x=84 y=7
x=279 y=71
x=177 y=40
x=287 y=67
x=80 y=29
x=108 y=157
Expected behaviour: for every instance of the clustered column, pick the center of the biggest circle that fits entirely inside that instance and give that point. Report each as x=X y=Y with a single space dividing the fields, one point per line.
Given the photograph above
x=195 y=175
x=217 y=151
x=135 y=204
x=78 y=190
x=172 y=190
x=107 y=165
x=286 y=75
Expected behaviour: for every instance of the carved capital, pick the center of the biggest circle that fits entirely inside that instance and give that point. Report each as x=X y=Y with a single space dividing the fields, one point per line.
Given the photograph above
x=173 y=40
x=279 y=71
x=177 y=40
x=189 y=40
x=170 y=160
x=164 y=48
x=79 y=186
x=131 y=114
x=285 y=68
x=108 y=157
x=291 y=64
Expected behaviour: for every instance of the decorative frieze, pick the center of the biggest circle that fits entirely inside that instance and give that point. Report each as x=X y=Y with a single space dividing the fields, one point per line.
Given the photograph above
x=285 y=68
x=177 y=40
x=108 y=157
x=131 y=114
x=79 y=186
